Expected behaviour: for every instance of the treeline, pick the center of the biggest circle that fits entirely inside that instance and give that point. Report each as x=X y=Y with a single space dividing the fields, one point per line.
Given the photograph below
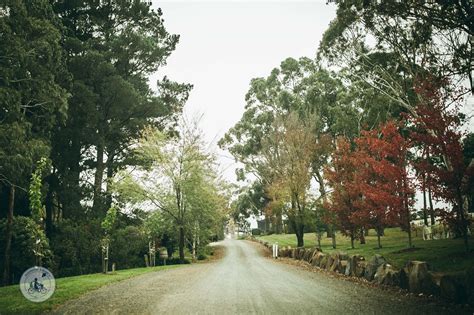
x=343 y=141
x=75 y=99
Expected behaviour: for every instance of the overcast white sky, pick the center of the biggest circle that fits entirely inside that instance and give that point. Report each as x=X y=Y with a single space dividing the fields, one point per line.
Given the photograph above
x=224 y=44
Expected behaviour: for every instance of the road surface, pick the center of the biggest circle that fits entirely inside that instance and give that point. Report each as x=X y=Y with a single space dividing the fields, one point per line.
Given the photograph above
x=245 y=282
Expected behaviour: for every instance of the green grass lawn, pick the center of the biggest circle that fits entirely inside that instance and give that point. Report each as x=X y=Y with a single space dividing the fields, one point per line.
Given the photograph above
x=12 y=301
x=443 y=255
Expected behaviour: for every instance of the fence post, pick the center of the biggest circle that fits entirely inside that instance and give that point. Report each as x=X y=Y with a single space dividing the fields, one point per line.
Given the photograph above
x=275 y=250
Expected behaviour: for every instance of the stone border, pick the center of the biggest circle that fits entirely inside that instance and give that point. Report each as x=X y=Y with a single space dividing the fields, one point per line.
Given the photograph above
x=416 y=277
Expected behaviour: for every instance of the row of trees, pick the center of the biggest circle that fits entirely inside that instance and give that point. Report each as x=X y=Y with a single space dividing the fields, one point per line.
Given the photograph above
x=180 y=180
x=75 y=95
x=344 y=141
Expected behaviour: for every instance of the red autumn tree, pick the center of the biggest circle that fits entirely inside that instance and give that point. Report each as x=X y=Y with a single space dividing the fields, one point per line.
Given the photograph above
x=382 y=178
x=340 y=177
x=437 y=125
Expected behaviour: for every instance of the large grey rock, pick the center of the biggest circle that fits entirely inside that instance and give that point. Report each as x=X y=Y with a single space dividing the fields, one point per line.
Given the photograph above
x=454 y=287
x=386 y=274
x=299 y=253
x=341 y=268
x=329 y=262
x=372 y=265
x=420 y=280
x=317 y=258
x=293 y=253
x=313 y=255
x=307 y=255
x=352 y=263
x=336 y=262
x=458 y=287
x=324 y=261
x=360 y=268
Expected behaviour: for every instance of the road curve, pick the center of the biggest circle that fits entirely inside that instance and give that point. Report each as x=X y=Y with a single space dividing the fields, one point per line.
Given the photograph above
x=244 y=282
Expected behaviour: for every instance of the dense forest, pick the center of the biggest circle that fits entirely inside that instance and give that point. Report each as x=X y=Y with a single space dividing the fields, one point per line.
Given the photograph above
x=345 y=141
x=80 y=124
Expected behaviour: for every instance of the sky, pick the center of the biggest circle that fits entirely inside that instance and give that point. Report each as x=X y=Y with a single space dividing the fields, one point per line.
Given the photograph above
x=224 y=44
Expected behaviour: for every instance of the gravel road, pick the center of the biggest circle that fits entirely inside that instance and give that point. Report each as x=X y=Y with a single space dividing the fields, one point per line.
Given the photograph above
x=245 y=282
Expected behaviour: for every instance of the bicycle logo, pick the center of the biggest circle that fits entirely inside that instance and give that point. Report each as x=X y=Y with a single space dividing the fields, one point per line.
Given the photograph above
x=37 y=284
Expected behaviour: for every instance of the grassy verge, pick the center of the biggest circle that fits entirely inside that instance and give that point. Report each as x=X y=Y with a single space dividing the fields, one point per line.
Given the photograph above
x=12 y=301
x=444 y=255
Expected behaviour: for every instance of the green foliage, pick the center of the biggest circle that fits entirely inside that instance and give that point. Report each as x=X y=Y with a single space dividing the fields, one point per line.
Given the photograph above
x=28 y=242
x=34 y=193
x=76 y=247
x=181 y=185
x=109 y=220
x=256 y=232
x=128 y=245
x=31 y=98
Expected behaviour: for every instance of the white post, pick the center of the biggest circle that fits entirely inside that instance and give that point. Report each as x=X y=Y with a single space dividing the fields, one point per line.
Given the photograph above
x=275 y=250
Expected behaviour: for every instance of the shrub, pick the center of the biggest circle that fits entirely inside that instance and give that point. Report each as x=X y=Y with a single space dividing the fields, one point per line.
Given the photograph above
x=25 y=232
x=76 y=246
x=256 y=232
x=127 y=247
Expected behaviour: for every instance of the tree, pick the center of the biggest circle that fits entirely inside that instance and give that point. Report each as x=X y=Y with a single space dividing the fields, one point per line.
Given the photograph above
x=298 y=87
x=345 y=192
x=381 y=177
x=31 y=100
x=180 y=182
x=288 y=156
x=107 y=226
x=112 y=48
x=437 y=125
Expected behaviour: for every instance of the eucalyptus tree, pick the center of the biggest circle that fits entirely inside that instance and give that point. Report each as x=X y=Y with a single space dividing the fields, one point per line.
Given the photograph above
x=300 y=87
x=390 y=44
x=288 y=152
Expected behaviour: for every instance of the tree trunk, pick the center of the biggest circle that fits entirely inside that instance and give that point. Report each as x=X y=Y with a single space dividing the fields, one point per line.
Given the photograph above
x=362 y=235
x=352 y=241
x=300 y=236
x=333 y=237
x=49 y=204
x=430 y=200
x=279 y=225
x=329 y=231
x=181 y=244
x=406 y=205
x=425 y=215
x=71 y=191
x=463 y=221
x=318 y=237
x=194 y=244
x=110 y=174
x=379 y=233
x=8 y=237
x=99 y=177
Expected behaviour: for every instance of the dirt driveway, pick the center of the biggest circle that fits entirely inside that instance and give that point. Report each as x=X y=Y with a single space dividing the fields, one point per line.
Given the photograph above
x=245 y=282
